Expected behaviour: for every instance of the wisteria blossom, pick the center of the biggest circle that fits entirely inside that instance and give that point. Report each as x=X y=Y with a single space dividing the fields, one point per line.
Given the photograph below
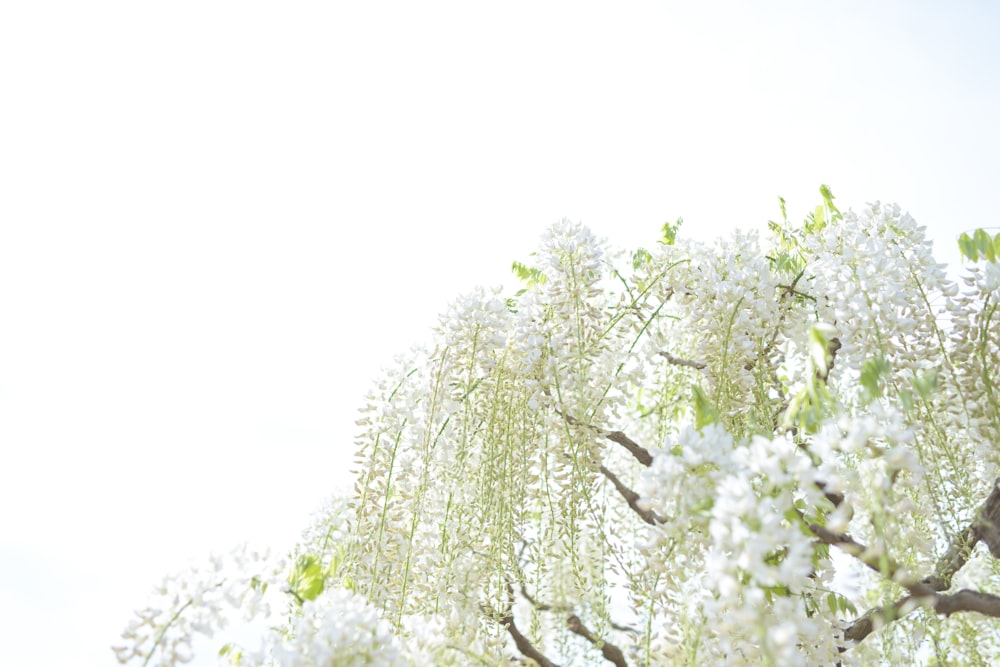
x=774 y=449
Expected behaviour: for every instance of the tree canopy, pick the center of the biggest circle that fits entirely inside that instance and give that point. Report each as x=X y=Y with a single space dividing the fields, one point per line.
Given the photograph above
x=778 y=451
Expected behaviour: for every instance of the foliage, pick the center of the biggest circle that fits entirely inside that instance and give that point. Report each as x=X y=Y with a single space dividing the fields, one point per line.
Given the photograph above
x=743 y=453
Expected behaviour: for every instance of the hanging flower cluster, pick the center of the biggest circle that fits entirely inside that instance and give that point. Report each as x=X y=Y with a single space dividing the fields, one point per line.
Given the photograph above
x=197 y=602
x=741 y=453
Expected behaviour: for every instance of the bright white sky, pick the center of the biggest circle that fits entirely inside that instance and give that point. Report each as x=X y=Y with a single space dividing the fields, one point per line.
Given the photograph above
x=219 y=220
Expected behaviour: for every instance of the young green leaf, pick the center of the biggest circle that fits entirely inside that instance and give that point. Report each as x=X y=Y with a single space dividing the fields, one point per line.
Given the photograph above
x=872 y=372
x=307 y=579
x=968 y=247
x=984 y=244
x=640 y=258
x=670 y=231
x=704 y=412
x=528 y=274
x=828 y=198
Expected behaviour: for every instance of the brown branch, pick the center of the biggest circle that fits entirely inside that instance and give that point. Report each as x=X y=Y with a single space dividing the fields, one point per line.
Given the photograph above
x=523 y=644
x=835 y=346
x=789 y=290
x=848 y=545
x=953 y=560
x=632 y=498
x=834 y=497
x=987 y=523
x=541 y=606
x=964 y=600
x=610 y=652
x=984 y=526
x=682 y=362
x=986 y=604
x=640 y=454
x=865 y=625
x=879 y=616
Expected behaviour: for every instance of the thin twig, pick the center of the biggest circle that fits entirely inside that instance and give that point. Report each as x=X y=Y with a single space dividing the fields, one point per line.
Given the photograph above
x=523 y=644
x=632 y=498
x=683 y=362
x=610 y=652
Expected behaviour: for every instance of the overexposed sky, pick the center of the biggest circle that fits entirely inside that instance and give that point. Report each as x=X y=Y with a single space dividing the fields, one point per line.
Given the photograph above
x=218 y=220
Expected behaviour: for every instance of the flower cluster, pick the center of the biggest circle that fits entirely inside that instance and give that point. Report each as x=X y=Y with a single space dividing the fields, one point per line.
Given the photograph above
x=199 y=601
x=975 y=335
x=738 y=510
x=874 y=279
x=651 y=463
x=339 y=629
x=729 y=309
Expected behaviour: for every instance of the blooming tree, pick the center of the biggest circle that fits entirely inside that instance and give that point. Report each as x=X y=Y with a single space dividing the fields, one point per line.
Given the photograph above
x=744 y=453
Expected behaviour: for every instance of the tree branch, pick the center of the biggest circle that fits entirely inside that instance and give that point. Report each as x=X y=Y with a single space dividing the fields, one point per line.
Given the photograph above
x=682 y=362
x=610 y=652
x=835 y=346
x=640 y=454
x=966 y=599
x=523 y=644
x=848 y=545
x=986 y=604
x=834 y=497
x=632 y=498
x=541 y=606
x=984 y=526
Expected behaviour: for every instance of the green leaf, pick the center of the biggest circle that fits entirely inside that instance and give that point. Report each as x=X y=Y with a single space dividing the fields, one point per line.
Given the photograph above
x=984 y=244
x=968 y=247
x=704 y=412
x=808 y=408
x=258 y=584
x=307 y=579
x=926 y=384
x=872 y=372
x=818 y=219
x=530 y=275
x=640 y=258
x=820 y=343
x=669 y=231
x=906 y=398
x=828 y=198
x=982 y=239
x=235 y=654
